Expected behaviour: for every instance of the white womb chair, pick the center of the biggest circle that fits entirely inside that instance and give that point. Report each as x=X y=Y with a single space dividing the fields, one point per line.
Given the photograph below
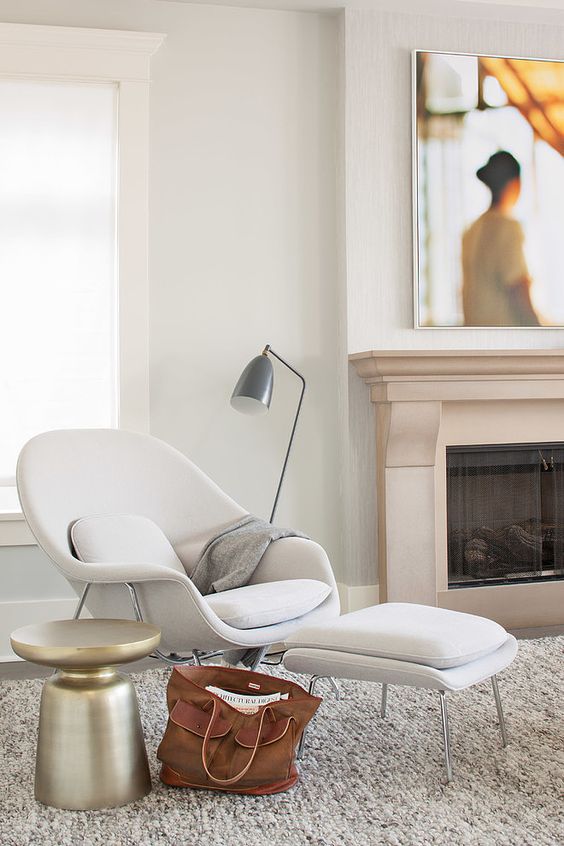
x=66 y=475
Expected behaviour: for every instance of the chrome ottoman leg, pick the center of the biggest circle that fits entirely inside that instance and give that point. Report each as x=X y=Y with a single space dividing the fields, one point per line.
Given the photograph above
x=311 y=689
x=499 y=711
x=301 y=746
x=384 y=702
x=446 y=734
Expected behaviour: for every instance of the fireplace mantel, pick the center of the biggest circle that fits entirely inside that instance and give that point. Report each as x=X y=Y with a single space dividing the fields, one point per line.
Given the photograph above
x=425 y=401
x=385 y=365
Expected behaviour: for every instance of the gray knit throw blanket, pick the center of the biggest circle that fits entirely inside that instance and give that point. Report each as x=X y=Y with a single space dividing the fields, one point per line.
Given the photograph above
x=229 y=559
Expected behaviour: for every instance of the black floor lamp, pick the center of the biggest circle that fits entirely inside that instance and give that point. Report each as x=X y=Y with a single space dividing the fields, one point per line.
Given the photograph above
x=253 y=393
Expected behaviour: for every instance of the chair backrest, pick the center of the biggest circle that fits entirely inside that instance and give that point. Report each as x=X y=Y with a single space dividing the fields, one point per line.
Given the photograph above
x=67 y=474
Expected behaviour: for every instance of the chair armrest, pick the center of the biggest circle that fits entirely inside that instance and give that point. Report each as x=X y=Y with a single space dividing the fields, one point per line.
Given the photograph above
x=294 y=558
x=146 y=573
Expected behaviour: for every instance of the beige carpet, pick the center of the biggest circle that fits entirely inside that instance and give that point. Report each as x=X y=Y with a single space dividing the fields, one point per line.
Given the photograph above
x=364 y=781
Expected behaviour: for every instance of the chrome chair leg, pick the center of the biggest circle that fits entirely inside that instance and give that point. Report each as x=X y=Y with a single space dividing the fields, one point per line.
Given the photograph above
x=134 y=602
x=81 y=601
x=501 y=718
x=335 y=687
x=446 y=734
x=260 y=653
x=384 y=702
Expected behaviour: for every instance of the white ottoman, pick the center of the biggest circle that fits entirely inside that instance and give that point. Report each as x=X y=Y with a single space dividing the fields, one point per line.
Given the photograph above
x=405 y=644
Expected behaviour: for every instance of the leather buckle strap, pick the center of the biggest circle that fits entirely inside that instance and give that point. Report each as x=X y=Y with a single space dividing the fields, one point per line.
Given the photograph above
x=193 y=719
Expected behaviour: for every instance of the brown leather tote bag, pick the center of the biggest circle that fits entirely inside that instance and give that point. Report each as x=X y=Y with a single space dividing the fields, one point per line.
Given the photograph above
x=209 y=744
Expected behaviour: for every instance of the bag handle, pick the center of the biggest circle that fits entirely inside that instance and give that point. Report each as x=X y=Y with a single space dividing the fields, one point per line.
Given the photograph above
x=205 y=746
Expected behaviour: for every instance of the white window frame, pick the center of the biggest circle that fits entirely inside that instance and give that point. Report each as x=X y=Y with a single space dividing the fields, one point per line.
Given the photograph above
x=122 y=58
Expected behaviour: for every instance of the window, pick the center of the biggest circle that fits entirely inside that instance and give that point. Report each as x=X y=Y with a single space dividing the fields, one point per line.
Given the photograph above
x=58 y=157
x=73 y=237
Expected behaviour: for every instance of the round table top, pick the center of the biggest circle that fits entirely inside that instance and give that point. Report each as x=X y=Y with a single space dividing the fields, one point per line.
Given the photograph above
x=81 y=644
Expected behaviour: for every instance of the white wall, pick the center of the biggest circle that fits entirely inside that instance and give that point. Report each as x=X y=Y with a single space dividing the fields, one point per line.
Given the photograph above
x=243 y=235
x=242 y=247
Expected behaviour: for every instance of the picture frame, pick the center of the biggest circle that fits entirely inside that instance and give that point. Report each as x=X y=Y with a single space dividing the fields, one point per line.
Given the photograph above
x=488 y=190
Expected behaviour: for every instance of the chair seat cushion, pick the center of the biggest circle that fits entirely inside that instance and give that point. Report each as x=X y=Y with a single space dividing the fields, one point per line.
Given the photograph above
x=268 y=603
x=122 y=539
x=421 y=634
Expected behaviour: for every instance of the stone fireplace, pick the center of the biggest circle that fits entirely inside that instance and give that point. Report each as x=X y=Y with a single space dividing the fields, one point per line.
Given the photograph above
x=461 y=407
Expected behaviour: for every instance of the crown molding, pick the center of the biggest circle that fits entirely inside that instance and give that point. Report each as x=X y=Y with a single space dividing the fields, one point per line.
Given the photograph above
x=59 y=52
x=32 y=35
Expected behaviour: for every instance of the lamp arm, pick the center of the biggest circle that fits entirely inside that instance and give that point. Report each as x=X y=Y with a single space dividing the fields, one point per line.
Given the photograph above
x=268 y=349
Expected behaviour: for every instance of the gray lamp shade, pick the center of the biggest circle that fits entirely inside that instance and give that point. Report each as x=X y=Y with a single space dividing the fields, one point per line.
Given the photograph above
x=253 y=391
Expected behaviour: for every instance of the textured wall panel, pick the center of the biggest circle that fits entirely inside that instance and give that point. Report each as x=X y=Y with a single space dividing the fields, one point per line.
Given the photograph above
x=378 y=166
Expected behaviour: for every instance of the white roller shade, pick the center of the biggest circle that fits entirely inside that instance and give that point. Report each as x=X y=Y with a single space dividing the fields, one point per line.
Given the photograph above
x=58 y=287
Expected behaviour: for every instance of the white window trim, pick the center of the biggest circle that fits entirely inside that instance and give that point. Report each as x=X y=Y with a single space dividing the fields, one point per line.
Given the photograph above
x=123 y=58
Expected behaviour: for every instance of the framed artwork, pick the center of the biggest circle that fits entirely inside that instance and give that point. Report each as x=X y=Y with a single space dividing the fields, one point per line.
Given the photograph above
x=488 y=191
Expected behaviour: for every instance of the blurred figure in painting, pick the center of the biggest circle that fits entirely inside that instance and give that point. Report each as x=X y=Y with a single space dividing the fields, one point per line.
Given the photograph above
x=496 y=283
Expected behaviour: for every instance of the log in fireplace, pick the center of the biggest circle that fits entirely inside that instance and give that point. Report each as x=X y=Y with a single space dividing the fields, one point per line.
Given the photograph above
x=505 y=513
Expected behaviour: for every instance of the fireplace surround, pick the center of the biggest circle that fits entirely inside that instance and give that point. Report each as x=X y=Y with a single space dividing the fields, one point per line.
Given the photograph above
x=428 y=402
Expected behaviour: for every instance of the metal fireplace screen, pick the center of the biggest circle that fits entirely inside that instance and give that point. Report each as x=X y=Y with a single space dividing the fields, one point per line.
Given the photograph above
x=505 y=513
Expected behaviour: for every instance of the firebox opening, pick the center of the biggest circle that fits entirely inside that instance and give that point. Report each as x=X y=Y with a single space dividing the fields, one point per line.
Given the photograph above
x=505 y=513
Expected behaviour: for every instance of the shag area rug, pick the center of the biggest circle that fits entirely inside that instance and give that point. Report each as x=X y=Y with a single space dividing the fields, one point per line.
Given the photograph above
x=363 y=781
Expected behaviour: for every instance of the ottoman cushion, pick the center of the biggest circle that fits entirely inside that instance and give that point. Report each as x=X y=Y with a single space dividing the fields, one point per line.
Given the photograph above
x=343 y=665
x=421 y=634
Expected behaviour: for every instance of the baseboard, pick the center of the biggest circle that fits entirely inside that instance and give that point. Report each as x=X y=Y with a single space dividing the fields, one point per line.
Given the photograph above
x=16 y=614
x=354 y=597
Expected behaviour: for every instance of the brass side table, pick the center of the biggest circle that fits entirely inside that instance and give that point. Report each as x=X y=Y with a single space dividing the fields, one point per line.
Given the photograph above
x=90 y=749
